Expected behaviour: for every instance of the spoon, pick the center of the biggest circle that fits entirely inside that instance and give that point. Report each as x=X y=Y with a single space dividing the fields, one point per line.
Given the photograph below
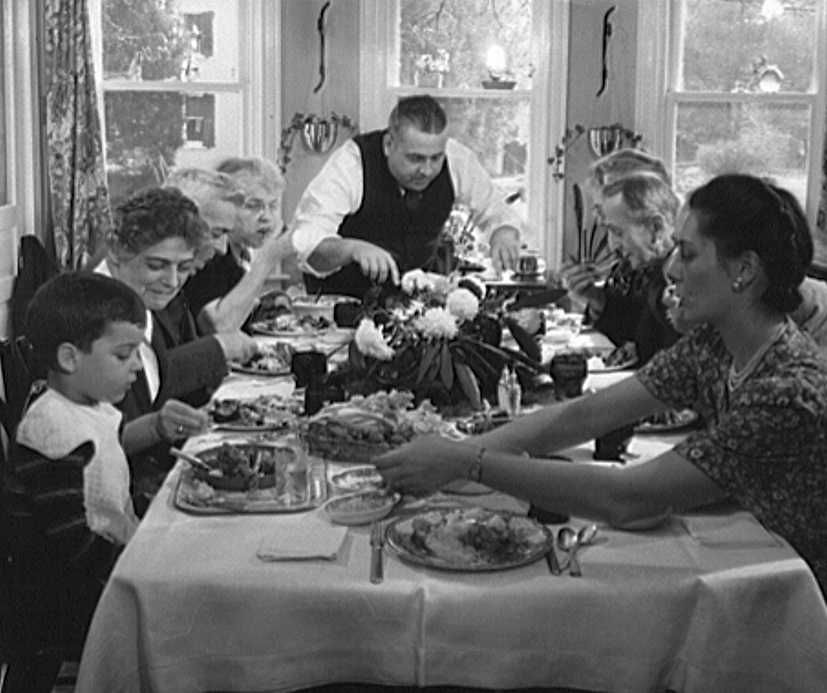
x=570 y=541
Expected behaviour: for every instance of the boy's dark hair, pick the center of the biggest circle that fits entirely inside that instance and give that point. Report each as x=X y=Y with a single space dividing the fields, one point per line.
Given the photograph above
x=421 y=111
x=76 y=307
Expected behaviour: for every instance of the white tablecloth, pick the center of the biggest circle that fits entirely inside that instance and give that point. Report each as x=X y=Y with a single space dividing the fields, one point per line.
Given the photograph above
x=704 y=603
x=708 y=602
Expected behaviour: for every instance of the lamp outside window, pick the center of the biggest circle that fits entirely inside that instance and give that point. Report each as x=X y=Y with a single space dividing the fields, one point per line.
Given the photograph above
x=769 y=79
x=496 y=62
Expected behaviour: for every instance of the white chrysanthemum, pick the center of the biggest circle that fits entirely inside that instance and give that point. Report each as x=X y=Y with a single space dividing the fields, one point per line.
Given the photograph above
x=463 y=304
x=437 y=322
x=416 y=280
x=370 y=341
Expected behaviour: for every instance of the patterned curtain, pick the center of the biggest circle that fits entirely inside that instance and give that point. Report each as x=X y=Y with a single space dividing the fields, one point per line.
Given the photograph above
x=821 y=219
x=77 y=180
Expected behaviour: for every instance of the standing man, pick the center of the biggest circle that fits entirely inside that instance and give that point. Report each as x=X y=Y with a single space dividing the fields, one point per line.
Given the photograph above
x=377 y=207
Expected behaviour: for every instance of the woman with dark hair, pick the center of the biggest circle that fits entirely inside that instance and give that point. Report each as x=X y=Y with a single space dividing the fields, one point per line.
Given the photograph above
x=760 y=386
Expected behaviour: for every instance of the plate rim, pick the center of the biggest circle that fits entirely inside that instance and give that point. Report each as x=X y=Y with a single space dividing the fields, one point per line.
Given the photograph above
x=643 y=428
x=405 y=555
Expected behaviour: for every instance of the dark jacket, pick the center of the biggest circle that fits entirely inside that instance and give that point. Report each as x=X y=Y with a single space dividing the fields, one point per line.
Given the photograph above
x=634 y=310
x=410 y=233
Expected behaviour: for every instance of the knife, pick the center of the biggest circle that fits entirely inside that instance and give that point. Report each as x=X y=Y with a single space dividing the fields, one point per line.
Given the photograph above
x=377 y=541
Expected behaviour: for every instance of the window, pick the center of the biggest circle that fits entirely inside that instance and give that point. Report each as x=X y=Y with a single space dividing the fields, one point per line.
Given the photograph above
x=742 y=88
x=183 y=84
x=492 y=66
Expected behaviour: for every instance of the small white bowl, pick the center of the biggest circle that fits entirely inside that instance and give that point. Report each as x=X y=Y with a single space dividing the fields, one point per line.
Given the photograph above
x=360 y=508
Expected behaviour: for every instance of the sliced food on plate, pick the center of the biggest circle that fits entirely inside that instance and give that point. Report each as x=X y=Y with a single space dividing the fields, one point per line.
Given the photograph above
x=620 y=358
x=468 y=538
x=665 y=421
x=366 y=426
x=271 y=359
x=292 y=325
x=265 y=412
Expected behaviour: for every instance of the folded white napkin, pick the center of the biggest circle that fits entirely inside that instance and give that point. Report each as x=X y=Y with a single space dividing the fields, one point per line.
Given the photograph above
x=305 y=536
x=734 y=530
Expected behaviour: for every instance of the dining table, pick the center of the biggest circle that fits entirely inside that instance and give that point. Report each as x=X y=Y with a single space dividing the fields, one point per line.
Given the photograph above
x=702 y=601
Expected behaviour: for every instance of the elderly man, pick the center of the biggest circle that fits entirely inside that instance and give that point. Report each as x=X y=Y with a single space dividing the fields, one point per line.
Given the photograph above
x=378 y=206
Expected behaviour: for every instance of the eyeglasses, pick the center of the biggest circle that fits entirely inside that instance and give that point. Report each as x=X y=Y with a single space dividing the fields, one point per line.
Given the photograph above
x=257 y=205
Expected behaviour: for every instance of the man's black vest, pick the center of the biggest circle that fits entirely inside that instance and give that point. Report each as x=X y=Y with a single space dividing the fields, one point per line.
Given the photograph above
x=384 y=219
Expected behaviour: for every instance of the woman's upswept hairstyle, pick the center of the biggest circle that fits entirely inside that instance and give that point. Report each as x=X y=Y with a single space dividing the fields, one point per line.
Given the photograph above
x=152 y=216
x=740 y=213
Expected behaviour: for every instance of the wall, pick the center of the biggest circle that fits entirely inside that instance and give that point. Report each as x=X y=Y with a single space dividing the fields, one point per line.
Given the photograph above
x=300 y=60
x=616 y=104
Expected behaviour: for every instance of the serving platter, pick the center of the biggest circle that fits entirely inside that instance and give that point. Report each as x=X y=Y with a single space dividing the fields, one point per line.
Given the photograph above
x=468 y=539
x=362 y=478
x=289 y=483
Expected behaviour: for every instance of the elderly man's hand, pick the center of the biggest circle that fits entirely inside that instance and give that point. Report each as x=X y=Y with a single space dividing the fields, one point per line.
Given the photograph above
x=376 y=263
x=505 y=248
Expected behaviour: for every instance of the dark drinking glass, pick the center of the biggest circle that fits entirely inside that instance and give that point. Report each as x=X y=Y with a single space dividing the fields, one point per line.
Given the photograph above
x=568 y=370
x=612 y=445
x=308 y=367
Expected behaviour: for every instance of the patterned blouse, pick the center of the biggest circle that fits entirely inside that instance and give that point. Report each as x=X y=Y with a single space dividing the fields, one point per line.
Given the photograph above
x=765 y=443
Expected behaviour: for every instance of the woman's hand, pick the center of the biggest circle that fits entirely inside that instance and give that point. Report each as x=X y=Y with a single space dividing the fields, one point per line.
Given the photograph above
x=177 y=420
x=237 y=346
x=425 y=464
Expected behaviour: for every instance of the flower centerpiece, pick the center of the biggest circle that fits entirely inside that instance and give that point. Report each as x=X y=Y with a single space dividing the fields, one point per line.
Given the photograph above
x=439 y=337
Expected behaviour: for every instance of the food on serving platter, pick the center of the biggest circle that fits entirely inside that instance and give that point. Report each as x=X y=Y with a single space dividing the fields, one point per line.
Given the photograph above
x=292 y=323
x=363 y=427
x=360 y=508
x=358 y=479
x=470 y=537
x=248 y=467
x=271 y=359
x=624 y=356
x=271 y=305
x=265 y=411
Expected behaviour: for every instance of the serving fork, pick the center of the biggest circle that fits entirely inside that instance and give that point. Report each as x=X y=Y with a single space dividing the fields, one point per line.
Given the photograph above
x=377 y=543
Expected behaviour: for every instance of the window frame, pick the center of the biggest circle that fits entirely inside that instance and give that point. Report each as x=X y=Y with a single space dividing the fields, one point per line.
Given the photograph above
x=657 y=100
x=259 y=76
x=550 y=38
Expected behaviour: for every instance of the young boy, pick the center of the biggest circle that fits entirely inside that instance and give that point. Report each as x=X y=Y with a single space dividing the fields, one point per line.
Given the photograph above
x=86 y=329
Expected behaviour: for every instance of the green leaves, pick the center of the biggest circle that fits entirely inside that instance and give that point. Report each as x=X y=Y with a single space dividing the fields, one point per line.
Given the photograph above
x=469 y=385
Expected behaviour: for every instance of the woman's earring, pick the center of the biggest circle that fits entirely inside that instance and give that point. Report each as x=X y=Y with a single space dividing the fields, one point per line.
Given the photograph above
x=737 y=285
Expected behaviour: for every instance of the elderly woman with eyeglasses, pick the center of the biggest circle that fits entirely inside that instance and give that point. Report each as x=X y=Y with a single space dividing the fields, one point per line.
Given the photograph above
x=244 y=198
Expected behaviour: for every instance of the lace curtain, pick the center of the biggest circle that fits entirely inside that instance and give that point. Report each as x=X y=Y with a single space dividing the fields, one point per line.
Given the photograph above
x=77 y=180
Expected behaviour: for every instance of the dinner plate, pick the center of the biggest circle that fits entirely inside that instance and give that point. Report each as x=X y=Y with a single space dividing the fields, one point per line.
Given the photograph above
x=468 y=539
x=236 y=367
x=229 y=414
x=675 y=421
x=360 y=508
x=265 y=328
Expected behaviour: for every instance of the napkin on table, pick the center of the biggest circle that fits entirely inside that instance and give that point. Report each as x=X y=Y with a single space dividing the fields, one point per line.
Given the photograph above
x=733 y=530
x=302 y=537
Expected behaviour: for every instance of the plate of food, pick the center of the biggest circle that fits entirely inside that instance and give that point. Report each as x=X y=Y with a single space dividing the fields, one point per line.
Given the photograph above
x=620 y=358
x=271 y=360
x=320 y=306
x=363 y=478
x=292 y=325
x=367 y=426
x=262 y=413
x=666 y=421
x=469 y=539
x=244 y=477
x=360 y=508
